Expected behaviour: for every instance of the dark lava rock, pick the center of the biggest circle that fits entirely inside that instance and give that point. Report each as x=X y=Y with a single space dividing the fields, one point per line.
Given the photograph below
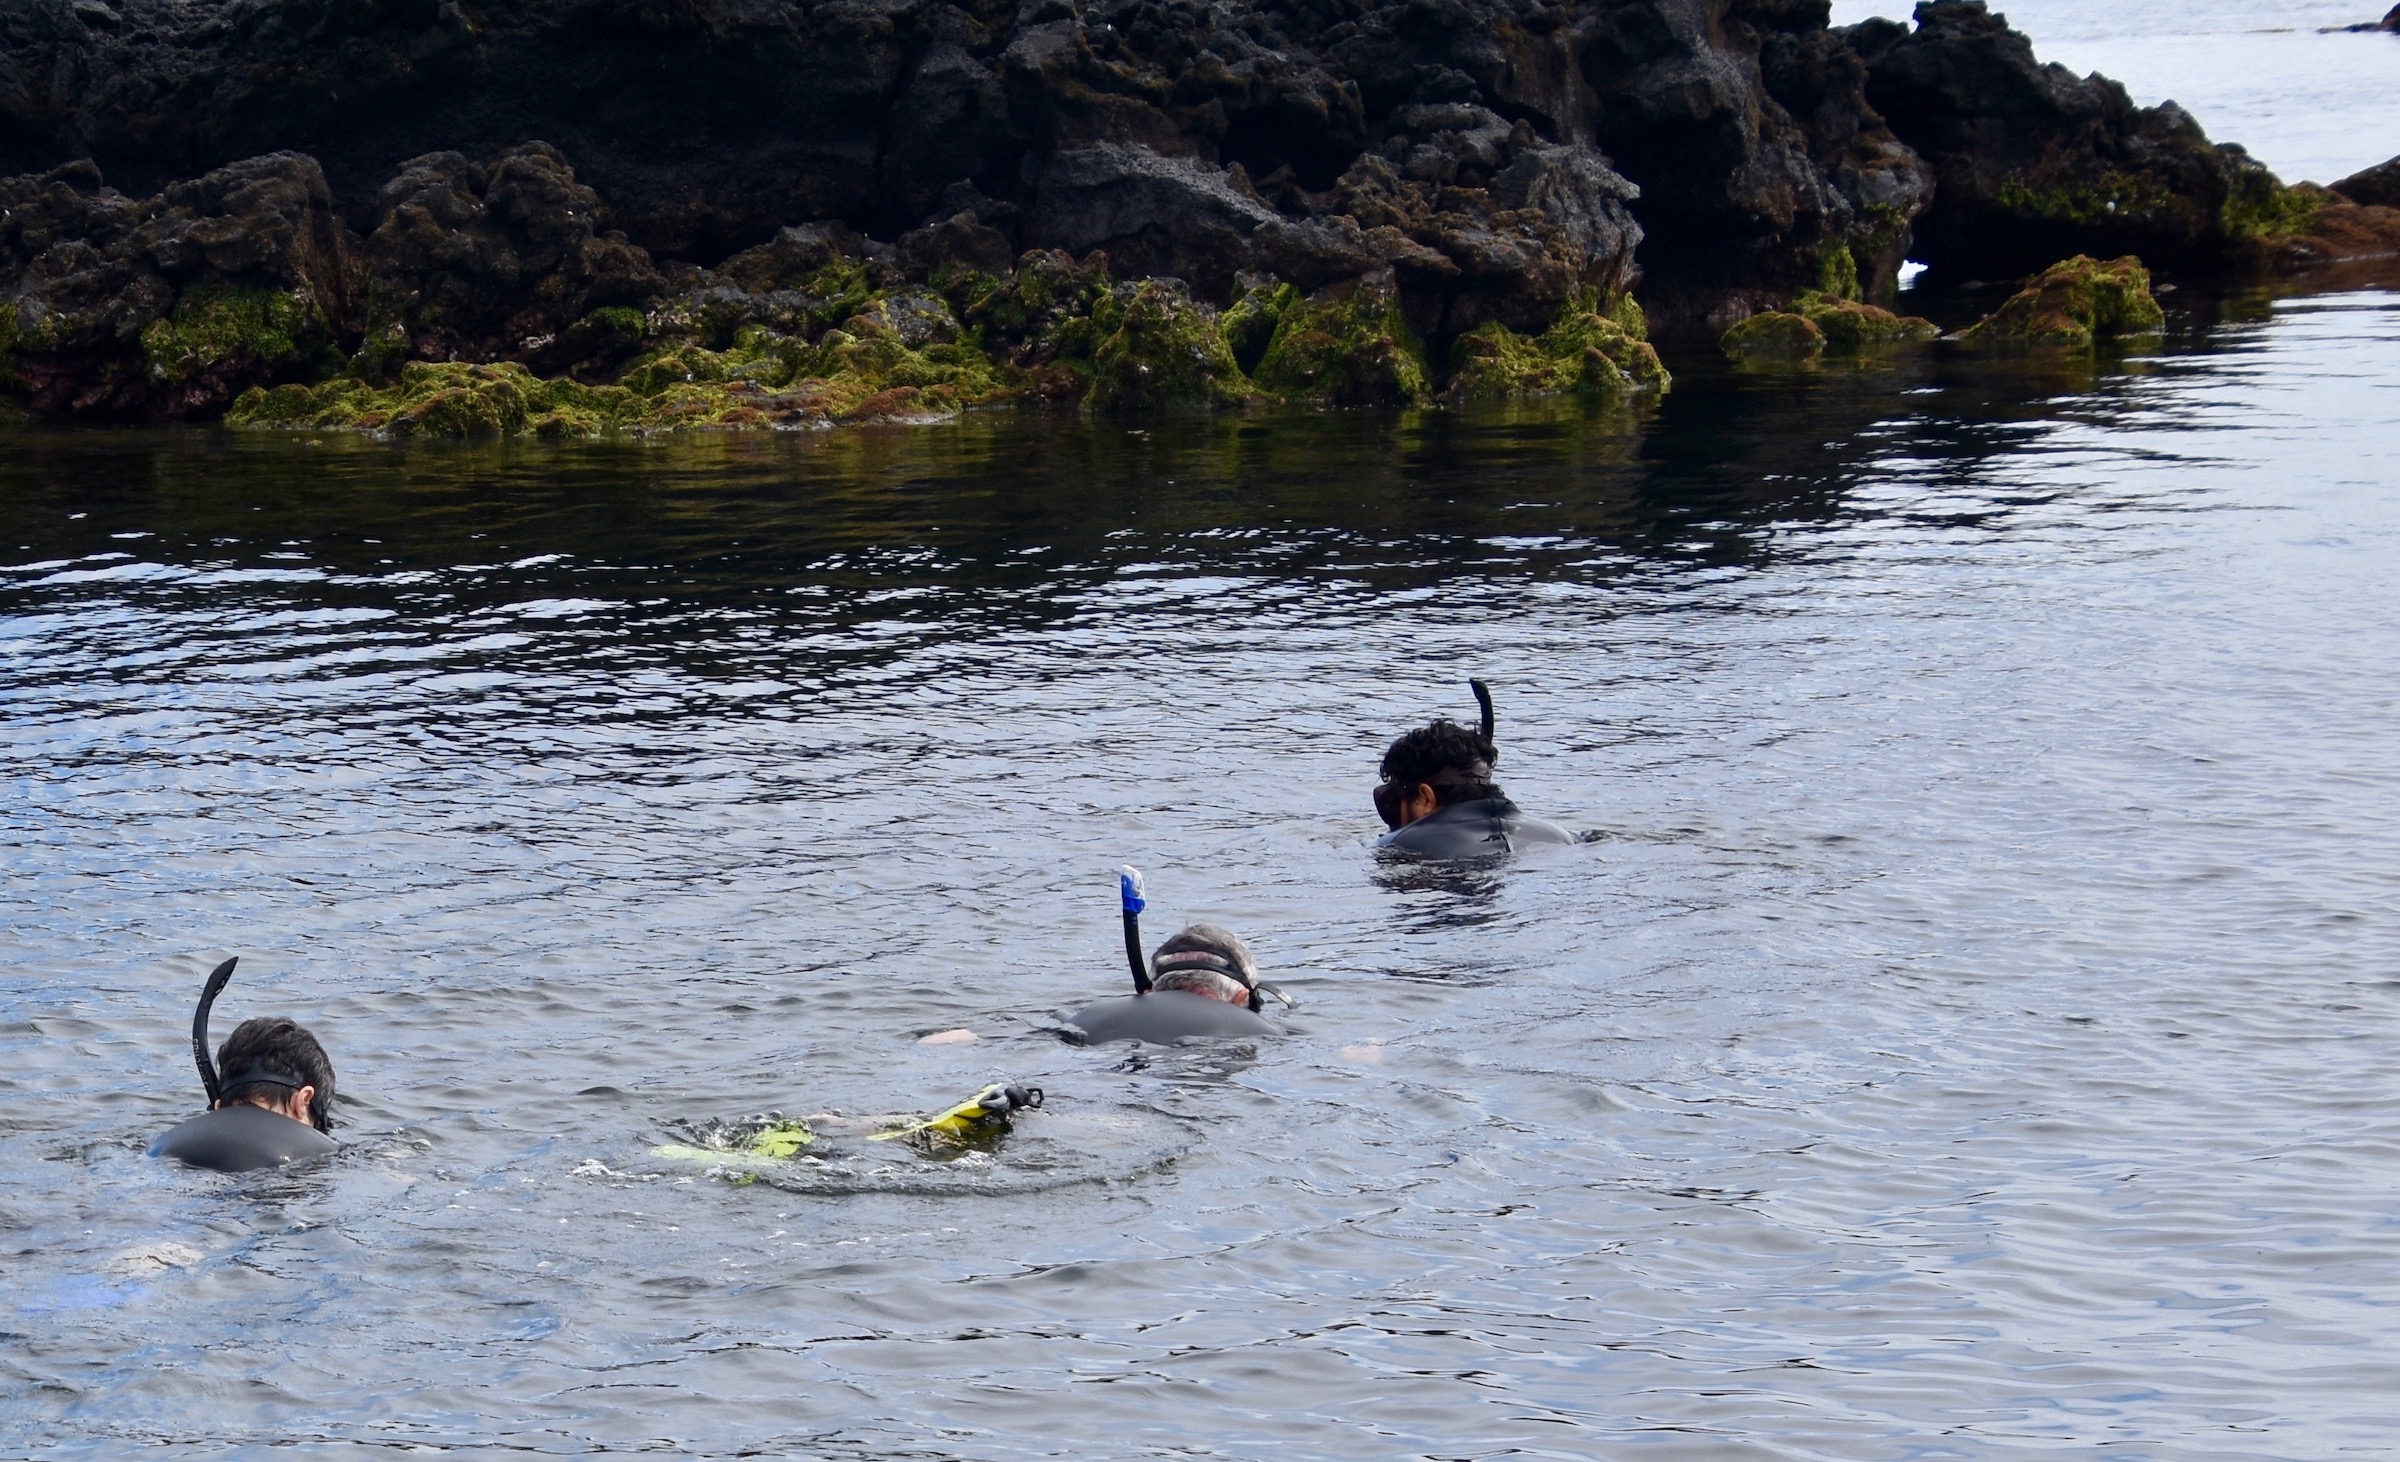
x=1464 y=145
x=2390 y=22
x=493 y=263
x=2034 y=163
x=169 y=305
x=541 y=182
x=1747 y=126
x=2376 y=187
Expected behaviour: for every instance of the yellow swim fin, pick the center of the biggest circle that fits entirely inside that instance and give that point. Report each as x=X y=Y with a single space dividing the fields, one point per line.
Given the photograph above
x=985 y=1112
x=778 y=1141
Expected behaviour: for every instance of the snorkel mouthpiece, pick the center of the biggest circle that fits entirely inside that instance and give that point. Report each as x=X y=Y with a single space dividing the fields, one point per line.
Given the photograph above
x=1129 y=891
x=209 y=992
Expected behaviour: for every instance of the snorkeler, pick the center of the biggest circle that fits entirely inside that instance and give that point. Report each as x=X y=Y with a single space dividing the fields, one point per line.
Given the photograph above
x=1202 y=982
x=762 y=1144
x=1439 y=799
x=272 y=1105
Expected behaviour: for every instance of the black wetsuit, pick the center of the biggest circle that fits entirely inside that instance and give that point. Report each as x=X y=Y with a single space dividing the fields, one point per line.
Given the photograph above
x=238 y=1138
x=1476 y=829
x=1166 y=1016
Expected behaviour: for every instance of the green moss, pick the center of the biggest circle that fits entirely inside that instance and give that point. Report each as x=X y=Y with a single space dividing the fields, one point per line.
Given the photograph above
x=2112 y=197
x=1877 y=246
x=1346 y=346
x=969 y=292
x=760 y=380
x=1584 y=350
x=1774 y=335
x=1493 y=362
x=1612 y=358
x=1850 y=327
x=381 y=354
x=9 y=326
x=1627 y=315
x=1249 y=322
x=440 y=399
x=1166 y=352
x=2074 y=304
x=2260 y=208
x=1837 y=272
x=216 y=327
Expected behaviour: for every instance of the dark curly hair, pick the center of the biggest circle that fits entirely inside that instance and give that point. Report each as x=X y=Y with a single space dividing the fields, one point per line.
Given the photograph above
x=269 y=1049
x=1423 y=755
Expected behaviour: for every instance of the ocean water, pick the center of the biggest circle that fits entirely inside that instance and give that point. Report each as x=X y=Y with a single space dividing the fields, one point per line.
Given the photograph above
x=1966 y=1031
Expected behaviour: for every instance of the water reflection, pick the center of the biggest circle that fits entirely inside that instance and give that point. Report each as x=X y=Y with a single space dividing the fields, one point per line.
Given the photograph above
x=1976 y=993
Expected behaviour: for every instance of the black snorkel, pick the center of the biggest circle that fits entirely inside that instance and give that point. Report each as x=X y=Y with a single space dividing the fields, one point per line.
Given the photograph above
x=209 y=992
x=1129 y=889
x=1483 y=699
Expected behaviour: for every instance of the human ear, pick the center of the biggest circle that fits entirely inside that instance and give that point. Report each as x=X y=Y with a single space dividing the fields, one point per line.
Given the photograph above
x=297 y=1107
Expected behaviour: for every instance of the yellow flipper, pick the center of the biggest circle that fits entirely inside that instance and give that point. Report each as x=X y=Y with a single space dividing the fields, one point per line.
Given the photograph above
x=986 y=1111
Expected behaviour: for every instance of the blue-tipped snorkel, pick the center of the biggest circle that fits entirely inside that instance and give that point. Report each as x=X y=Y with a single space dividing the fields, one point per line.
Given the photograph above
x=1129 y=888
x=209 y=992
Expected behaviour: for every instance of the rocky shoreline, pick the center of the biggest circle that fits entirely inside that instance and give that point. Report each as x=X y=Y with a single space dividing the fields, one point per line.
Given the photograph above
x=584 y=216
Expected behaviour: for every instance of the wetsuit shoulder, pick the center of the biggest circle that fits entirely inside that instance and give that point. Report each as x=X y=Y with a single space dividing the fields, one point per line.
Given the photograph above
x=238 y=1138
x=1480 y=829
x=1164 y=1016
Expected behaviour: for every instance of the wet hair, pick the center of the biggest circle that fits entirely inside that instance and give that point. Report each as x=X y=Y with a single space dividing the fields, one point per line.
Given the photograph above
x=1206 y=960
x=1426 y=754
x=267 y=1058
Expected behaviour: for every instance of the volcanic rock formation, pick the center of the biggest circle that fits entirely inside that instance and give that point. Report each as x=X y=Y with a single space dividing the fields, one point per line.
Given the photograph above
x=596 y=189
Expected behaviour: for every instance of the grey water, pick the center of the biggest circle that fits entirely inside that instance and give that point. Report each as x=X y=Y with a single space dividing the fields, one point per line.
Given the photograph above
x=1968 y=1031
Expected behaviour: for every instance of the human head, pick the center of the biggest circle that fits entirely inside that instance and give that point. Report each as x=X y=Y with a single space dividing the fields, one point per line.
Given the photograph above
x=1433 y=767
x=275 y=1063
x=1206 y=960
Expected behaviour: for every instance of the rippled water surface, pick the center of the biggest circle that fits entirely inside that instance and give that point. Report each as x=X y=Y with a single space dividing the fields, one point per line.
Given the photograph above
x=1970 y=1030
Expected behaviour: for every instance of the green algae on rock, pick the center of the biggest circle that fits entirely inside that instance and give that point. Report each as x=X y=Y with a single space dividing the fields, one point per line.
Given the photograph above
x=1248 y=324
x=1850 y=327
x=1775 y=336
x=1584 y=350
x=455 y=399
x=1346 y=345
x=216 y=328
x=1166 y=352
x=2073 y=305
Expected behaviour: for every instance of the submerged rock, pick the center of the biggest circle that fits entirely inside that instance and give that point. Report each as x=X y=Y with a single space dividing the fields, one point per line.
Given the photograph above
x=2072 y=305
x=1850 y=327
x=1775 y=335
